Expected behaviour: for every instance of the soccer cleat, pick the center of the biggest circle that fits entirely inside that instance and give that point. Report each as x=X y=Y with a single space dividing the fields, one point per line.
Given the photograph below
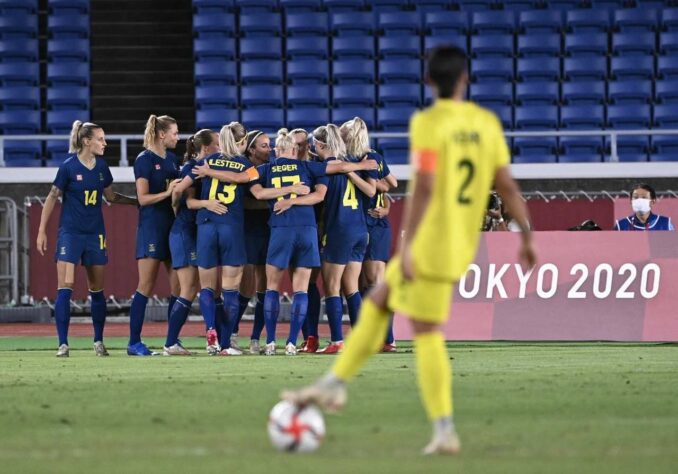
x=255 y=348
x=100 y=349
x=213 y=350
x=310 y=345
x=139 y=349
x=269 y=350
x=176 y=350
x=328 y=395
x=62 y=351
x=230 y=351
x=290 y=349
x=447 y=443
x=234 y=341
x=212 y=338
x=389 y=348
x=332 y=348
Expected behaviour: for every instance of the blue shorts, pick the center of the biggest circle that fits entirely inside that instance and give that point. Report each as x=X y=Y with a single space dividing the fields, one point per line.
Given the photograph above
x=344 y=248
x=183 y=248
x=379 y=246
x=90 y=249
x=256 y=247
x=153 y=240
x=220 y=245
x=293 y=247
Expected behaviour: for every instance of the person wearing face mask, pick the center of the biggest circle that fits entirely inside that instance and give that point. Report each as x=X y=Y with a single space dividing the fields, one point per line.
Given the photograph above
x=643 y=198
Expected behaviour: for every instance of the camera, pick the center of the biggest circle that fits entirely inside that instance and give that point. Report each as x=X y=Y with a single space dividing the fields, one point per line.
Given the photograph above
x=494 y=203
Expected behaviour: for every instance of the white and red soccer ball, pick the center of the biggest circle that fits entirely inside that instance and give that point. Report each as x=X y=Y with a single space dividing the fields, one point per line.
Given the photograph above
x=296 y=429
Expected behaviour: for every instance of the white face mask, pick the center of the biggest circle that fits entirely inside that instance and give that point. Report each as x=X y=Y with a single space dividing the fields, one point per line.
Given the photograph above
x=641 y=205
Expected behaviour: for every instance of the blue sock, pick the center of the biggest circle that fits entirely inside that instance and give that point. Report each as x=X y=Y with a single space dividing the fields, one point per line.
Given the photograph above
x=271 y=311
x=172 y=299
x=208 y=307
x=231 y=307
x=313 y=313
x=335 y=311
x=299 y=308
x=177 y=319
x=390 y=338
x=98 y=310
x=353 y=302
x=258 y=317
x=137 y=311
x=62 y=313
x=243 y=301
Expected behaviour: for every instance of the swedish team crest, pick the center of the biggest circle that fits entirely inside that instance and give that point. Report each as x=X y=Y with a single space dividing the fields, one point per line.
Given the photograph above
x=151 y=248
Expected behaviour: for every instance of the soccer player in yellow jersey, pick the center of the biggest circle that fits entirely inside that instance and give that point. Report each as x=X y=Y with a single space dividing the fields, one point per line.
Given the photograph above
x=457 y=152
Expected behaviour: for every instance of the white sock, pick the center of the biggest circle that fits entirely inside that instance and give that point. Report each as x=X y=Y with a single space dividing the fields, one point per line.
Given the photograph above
x=443 y=426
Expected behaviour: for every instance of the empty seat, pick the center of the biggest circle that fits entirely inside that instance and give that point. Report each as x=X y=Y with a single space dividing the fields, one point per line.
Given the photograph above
x=353 y=95
x=668 y=42
x=564 y=4
x=492 y=45
x=260 y=48
x=214 y=48
x=635 y=19
x=492 y=69
x=266 y=120
x=396 y=23
x=18 y=7
x=343 y=5
x=496 y=21
x=629 y=116
x=216 y=97
x=215 y=118
x=541 y=21
x=538 y=69
x=537 y=93
x=307 y=118
x=307 y=24
x=19 y=74
x=18 y=50
x=477 y=5
x=308 y=95
x=256 y=24
x=541 y=149
x=630 y=92
x=20 y=121
x=669 y=20
x=446 y=23
x=573 y=154
x=586 y=44
x=342 y=115
x=352 y=23
x=586 y=68
x=546 y=44
x=666 y=91
x=75 y=74
x=261 y=6
x=261 y=96
x=60 y=121
x=408 y=46
x=633 y=43
x=588 y=21
x=584 y=92
x=485 y=93
x=300 y=5
x=632 y=67
x=504 y=113
x=19 y=97
x=73 y=97
x=665 y=116
x=307 y=47
x=301 y=71
x=353 y=71
x=206 y=25
x=667 y=66
x=261 y=72
x=582 y=117
x=18 y=26
x=400 y=94
x=399 y=70
x=394 y=150
x=394 y=119
x=68 y=7
x=68 y=26
x=68 y=50
x=431 y=42
x=213 y=6
x=430 y=5
x=216 y=72
x=520 y=5
x=532 y=159
x=353 y=47
x=537 y=117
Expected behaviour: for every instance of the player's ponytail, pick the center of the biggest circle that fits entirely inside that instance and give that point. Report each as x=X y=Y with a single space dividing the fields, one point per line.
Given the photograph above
x=334 y=142
x=197 y=142
x=355 y=135
x=284 y=140
x=230 y=137
x=155 y=125
x=79 y=132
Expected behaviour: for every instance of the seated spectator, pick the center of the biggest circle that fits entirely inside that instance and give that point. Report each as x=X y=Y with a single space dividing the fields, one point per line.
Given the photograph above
x=497 y=218
x=643 y=198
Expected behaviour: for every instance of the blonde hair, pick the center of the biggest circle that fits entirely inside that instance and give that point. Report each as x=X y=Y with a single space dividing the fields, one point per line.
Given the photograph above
x=229 y=138
x=284 y=140
x=299 y=130
x=79 y=132
x=330 y=136
x=154 y=126
x=354 y=133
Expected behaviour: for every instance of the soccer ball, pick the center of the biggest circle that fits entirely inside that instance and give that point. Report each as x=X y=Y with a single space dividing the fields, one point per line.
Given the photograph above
x=296 y=429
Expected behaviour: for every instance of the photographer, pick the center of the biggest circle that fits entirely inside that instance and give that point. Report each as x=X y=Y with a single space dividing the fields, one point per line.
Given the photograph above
x=497 y=218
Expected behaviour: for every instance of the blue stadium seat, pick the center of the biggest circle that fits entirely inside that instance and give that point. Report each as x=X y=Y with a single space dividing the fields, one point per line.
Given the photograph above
x=346 y=47
x=633 y=43
x=537 y=93
x=488 y=93
x=446 y=23
x=492 y=69
x=635 y=19
x=216 y=97
x=68 y=26
x=564 y=4
x=400 y=70
x=394 y=119
x=18 y=26
x=611 y=4
x=307 y=118
x=431 y=42
x=665 y=116
x=19 y=98
x=520 y=5
x=535 y=149
x=584 y=92
x=541 y=21
x=386 y=5
x=504 y=114
x=629 y=116
x=215 y=118
x=256 y=24
x=492 y=45
x=262 y=96
x=394 y=150
x=669 y=20
x=344 y=5
x=582 y=117
x=304 y=71
x=307 y=24
x=664 y=157
x=538 y=69
x=69 y=73
x=211 y=25
x=353 y=71
x=256 y=6
x=342 y=115
x=537 y=117
x=260 y=48
x=353 y=95
x=476 y=5
x=18 y=50
x=668 y=42
x=266 y=120
x=308 y=95
x=399 y=23
x=18 y=7
x=300 y=5
x=22 y=162
x=214 y=48
x=533 y=159
x=19 y=74
x=407 y=46
x=543 y=44
x=586 y=68
x=573 y=154
x=496 y=21
x=61 y=121
x=213 y=6
x=352 y=23
x=68 y=50
x=400 y=94
x=667 y=66
x=586 y=44
x=588 y=21
x=261 y=72
x=630 y=92
x=307 y=47
x=216 y=72
x=72 y=97
x=666 y=91
x=19 y=121
x=632 y=67
x=68 y=7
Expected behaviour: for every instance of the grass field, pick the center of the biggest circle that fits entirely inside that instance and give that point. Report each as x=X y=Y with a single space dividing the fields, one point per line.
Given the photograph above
x=519 y=408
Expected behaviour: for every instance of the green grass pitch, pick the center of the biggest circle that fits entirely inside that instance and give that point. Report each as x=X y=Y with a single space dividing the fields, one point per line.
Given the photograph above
x=519 y=408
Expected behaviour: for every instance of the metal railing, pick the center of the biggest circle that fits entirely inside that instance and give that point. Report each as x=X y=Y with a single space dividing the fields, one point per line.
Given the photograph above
x=612 y=135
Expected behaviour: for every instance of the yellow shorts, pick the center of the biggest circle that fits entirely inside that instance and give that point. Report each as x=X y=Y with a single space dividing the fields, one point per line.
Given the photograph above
x=420 y=299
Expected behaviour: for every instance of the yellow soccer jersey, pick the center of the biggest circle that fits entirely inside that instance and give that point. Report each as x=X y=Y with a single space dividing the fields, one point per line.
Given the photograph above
x=463 y=145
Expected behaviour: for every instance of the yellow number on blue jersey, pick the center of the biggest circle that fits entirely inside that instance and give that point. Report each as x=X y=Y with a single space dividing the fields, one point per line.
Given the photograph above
x=278 y=183
x=227 y=196
x=350 y=199
x=91 y=198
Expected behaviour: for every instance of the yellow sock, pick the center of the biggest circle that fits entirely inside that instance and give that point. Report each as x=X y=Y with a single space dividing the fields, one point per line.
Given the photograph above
x=366 y=338
x=434 y=374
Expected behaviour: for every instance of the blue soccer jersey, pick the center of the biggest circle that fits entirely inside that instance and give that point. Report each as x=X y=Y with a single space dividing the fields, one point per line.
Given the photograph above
x=82 y=191
x=378 y=199
x=158 y=172
x=185 y=217
x=654 y=222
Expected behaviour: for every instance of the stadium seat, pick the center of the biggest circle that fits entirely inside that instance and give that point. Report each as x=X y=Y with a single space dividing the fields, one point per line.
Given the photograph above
x=21 y=162
x=504 y=114
x=394 y=119
x=667 y=66
x=520 y=5
x=492 y=22
x=347 y=47
x=533 y=159
x=542 y=149
x=537 y=93
x=584 y=92
x=588 y=21
x=70 y=97
x=431 y=42
x=633 y=43
x=630 y=92
x=399 y=47
x=399 y=23
x=300 y=5
x=664 y=157
x=214 y=48
x=307 y=24
x=665 y=116
x=257 y=6
x=18 y=50
x=477 y=5
x=68 y=50
x=582 y=117
x=669 y=21
x=70 y=73
x=611 y=4
x=18 y=26
x=307 y=118
x=20 y=121
x=540 y=21
x=18 y=7
x=668 y=42
x=266 y=120
x=564 y=4
x=216 y=72
x=538 y=69
x=400 y=94
x=584 y=69
x=666 y=91
x=19 y=74
x=213 y=6
x=635 y=19
x=261 y=72
x=307 y=47
x=632 y=67
x=343 y=5
x=257 y=24
x=214 y=25
x=68 y=26
x=61 y=121
x=443 y=23
x=537 y=117
x=260 y=48
x=353 y=95
x=215 y=118
x=216 y=97
x=308 y=95
x=394 y=150
x=262 y=96
x=574 y=154
x=629 y=116
x=499 y=93
x=19 y=98
x=300 y=71
x=68 y=7
x=483 y=46
x=353 y=71
x=352 y=23
x=492 y=69
x=586 y=44
x=342 y=115
x=400 y=70
x=543 y=44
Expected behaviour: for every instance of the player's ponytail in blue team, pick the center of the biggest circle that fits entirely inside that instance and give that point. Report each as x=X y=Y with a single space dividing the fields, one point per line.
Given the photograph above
x=355 y=136
x=79 y=132
x=155 y=125
x=195 y=143
x=284 y=140
x=230 y=137
x=334 y=141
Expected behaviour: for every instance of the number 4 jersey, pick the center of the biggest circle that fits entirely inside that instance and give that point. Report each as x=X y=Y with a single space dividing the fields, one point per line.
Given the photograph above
x=463 y=146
